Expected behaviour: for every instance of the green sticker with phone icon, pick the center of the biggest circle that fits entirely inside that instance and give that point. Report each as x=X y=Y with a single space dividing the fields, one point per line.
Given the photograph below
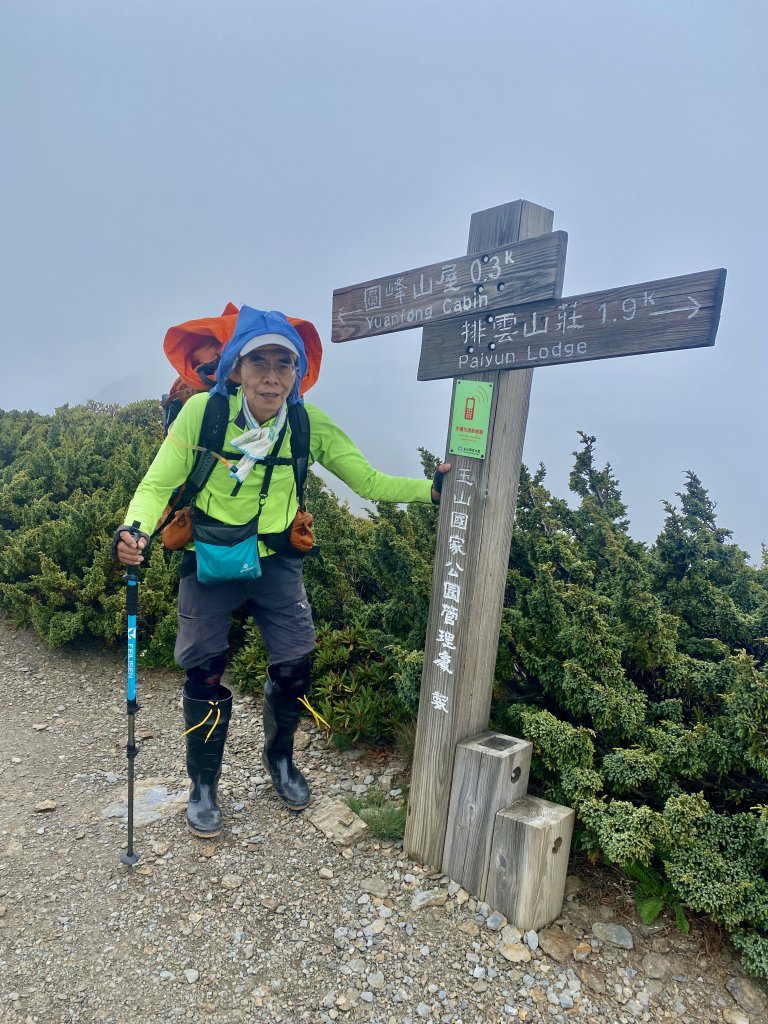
x=470 y=418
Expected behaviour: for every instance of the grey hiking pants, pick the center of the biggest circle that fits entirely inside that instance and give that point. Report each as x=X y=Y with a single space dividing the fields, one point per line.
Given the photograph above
x=276 y=601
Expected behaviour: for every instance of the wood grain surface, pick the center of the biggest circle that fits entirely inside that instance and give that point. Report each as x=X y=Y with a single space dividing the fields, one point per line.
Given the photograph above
x=490 y=772
x=529 y=861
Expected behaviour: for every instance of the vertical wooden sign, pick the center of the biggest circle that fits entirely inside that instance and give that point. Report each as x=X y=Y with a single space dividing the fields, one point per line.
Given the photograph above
x=474 y=536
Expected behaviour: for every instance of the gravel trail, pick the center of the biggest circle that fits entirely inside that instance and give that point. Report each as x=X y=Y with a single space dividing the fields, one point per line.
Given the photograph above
x=274 y=921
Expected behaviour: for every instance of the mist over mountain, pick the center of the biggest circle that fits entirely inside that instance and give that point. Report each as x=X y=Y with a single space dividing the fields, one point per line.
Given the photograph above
x=134 y=386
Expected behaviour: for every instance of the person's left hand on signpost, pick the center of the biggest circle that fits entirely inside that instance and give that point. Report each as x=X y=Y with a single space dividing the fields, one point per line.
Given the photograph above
x=437 y=481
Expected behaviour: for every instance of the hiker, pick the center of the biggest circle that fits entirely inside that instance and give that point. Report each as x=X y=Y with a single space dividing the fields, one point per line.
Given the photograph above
x=243 y=513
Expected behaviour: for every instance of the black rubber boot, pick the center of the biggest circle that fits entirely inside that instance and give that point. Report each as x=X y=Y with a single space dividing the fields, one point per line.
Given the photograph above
x=207 y=723
x=282 y=711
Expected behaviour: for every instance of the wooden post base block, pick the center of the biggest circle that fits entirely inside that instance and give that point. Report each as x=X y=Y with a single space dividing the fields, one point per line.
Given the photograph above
x=529 y=862
x=490 y=771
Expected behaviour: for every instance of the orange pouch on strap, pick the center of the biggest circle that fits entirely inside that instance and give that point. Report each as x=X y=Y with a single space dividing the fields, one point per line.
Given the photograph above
x=178 y=533
x=302 y=534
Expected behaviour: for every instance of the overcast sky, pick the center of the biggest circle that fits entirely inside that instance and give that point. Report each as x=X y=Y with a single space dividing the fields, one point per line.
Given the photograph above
x=162 y=158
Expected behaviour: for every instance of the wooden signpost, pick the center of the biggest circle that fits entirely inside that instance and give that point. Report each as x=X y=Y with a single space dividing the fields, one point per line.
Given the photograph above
x=522 y=325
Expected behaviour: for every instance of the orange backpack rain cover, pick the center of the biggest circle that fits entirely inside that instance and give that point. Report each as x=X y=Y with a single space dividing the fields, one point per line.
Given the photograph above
x=197 y=342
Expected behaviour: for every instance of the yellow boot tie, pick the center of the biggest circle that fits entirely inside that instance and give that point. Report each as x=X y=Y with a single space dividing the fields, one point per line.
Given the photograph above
x=214 y=704
x=320 y=722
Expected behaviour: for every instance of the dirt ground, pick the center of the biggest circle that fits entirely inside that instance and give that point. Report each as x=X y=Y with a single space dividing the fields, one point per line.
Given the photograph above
x=275 y=921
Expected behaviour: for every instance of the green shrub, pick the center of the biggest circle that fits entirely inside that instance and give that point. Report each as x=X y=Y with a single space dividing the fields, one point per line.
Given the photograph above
x=639 y=674
x=654 y=894
x=65 y=484
x=385 y=819
x=354 y=686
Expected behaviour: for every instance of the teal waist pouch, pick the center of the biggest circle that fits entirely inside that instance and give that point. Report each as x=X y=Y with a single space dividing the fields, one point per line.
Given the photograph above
x=225 y=552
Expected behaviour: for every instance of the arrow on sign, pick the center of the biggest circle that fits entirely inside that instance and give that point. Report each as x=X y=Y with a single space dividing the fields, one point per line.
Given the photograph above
x=695 y=306
x=349 y=312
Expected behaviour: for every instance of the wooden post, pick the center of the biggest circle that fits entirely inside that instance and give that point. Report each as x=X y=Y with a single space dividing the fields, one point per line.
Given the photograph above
x=529 y=862
x=459 y=663
x=490 y=772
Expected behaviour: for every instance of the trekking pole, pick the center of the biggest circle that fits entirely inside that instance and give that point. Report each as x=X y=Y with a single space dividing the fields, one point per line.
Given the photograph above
x=130 y=857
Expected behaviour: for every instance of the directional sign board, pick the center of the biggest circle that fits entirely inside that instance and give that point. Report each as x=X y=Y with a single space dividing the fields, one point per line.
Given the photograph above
x=520 y=272
x=678 y=312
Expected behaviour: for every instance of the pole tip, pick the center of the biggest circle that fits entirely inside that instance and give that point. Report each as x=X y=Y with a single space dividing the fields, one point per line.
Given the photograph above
x=129 y=858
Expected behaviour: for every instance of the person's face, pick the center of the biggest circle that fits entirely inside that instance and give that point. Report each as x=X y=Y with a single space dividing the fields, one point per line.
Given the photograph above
x=267 y=375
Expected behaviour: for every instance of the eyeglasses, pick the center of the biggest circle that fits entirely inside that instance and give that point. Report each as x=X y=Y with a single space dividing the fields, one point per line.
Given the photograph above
x=284 y=368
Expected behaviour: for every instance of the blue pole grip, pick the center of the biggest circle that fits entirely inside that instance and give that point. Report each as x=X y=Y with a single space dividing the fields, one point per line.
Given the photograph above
x=132 y=655
x=132 y=607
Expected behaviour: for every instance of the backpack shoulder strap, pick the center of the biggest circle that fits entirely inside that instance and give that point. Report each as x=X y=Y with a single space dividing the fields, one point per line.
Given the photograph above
x=212 y=433
x=298 y=418
x=213 y=430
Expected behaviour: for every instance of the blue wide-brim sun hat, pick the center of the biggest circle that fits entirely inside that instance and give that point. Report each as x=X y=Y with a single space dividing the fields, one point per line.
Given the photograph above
x=253 y=323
